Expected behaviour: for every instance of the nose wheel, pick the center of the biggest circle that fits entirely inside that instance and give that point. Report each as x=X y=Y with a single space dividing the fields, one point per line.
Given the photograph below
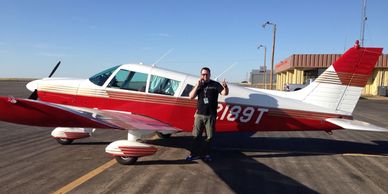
x=126 y=160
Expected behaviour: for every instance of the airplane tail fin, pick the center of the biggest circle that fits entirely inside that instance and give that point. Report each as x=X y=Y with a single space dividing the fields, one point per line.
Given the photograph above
x=340 y=86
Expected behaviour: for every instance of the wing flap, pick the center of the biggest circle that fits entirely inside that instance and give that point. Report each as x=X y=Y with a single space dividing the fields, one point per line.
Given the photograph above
x=127 y=120
x=355 y=125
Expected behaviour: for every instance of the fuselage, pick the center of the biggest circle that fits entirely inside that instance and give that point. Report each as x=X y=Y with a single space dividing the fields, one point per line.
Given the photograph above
x=163 y=95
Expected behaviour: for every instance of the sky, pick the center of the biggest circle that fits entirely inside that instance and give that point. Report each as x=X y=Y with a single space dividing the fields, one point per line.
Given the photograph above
x=90 y=36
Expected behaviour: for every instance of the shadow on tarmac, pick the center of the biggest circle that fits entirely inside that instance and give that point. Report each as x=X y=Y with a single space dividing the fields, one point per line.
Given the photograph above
x=243 y=174
x=295 y=146
x=165 y=162
x=90 y=143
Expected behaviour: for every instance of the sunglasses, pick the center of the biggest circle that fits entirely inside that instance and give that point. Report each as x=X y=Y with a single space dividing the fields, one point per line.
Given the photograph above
x=204 y=74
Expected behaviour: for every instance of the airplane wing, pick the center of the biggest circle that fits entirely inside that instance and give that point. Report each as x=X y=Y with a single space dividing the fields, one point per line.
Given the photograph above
x=45 y=114
x=355 y=125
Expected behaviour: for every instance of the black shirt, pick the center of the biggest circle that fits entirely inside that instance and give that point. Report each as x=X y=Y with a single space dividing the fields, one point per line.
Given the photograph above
x=209 y=90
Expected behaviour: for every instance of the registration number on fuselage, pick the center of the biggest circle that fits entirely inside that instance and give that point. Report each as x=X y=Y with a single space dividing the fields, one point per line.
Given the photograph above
x=238 y=113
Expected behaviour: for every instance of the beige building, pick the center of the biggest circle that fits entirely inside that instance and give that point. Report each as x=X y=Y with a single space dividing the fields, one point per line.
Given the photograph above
x=301 y=68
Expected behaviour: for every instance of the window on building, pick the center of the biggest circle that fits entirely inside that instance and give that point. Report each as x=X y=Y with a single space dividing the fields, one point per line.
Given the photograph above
x=309 y=75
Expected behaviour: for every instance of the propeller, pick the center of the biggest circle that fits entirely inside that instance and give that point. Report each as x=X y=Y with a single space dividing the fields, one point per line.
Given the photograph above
x=55 y=68
x=34 y=95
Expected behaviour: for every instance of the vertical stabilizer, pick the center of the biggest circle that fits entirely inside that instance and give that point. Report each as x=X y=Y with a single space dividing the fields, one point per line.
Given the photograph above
x=339 y=87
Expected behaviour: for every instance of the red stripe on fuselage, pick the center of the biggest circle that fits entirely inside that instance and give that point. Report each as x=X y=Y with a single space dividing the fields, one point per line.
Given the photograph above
x=179 y=112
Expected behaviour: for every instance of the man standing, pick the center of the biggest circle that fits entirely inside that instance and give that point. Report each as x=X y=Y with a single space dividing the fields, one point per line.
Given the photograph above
x=207 y=91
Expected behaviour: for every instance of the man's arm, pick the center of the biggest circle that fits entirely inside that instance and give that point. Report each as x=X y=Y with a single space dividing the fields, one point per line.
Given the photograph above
x=193 y=92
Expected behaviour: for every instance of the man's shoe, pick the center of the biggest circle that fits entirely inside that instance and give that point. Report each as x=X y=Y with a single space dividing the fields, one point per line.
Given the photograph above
x=191 y=158
x=207 y=158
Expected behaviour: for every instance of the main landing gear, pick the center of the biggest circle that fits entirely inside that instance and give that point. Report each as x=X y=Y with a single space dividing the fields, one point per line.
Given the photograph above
x=126 y=152
x=64 y=141
x=163 y=135
x=126 y=160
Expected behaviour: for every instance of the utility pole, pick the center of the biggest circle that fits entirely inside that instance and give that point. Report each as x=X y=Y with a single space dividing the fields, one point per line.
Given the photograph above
x=363 y=21
x=265 y=67
x=273 y=50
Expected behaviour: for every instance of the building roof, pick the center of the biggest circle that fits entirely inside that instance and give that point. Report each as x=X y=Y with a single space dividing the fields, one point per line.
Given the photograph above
x=317 y=61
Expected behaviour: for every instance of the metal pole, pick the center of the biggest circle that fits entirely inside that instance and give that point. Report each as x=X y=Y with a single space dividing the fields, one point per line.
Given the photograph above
x=265 y=67
x=273 y=54
x=273 y=50
x=363 y=21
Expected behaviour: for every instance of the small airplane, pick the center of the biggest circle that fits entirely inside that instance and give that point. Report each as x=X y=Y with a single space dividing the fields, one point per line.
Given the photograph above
x=145 y=100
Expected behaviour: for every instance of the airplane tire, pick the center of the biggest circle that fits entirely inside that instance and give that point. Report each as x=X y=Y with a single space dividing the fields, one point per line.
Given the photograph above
x=126 y=160
x=163 y=136
x=64 y=141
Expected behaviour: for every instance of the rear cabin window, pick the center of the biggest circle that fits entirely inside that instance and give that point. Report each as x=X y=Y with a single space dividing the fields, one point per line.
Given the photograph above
x=187 y=90
x=129 y=80
x=162 y=85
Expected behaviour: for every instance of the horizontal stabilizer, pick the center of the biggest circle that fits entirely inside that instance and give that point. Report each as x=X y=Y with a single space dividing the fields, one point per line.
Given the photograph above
x=355 y=125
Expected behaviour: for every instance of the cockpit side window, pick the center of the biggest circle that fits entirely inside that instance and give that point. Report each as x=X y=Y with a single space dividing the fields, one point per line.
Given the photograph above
x=135 y=81
x=119 y=79
x=100 y=78
x=129 y=80
x=162 y=85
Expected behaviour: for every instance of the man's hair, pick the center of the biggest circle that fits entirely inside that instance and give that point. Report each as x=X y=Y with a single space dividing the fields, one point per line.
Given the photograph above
x=205 y=68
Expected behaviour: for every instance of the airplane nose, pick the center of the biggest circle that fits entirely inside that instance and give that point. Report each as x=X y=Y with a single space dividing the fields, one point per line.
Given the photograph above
x=33 y=85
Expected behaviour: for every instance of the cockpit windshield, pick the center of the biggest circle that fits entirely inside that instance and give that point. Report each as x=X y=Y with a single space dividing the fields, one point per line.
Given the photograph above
x=100 y=78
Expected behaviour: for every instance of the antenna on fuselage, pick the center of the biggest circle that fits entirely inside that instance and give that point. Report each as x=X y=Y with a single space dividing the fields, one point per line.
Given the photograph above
x=164 y=55
x=227 y=69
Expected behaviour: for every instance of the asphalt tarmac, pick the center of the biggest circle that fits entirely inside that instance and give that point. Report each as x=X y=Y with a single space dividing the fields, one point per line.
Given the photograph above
x=266 y=162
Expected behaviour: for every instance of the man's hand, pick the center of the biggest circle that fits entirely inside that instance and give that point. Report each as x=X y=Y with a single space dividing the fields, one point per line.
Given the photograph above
x=225 y=91
x=200 y=82
x=197 y=86
x=224 y=84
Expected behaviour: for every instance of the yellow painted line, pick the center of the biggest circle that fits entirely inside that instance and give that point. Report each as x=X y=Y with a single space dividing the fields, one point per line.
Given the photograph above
x=86 y=177
x=364 y=155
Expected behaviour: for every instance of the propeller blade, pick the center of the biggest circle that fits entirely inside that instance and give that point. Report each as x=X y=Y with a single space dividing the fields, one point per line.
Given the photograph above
x=34 y=95
x=55 y=68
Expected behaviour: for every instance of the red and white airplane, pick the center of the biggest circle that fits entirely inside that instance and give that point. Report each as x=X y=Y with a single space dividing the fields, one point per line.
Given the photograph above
x=146 y=99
